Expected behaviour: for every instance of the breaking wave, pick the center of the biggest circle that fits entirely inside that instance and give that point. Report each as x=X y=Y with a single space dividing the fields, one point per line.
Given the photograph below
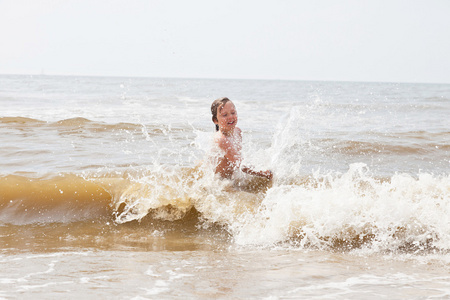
x=350 y=210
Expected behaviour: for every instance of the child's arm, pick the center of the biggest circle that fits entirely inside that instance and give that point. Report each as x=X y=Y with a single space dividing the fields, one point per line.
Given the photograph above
x=268 y=174
x=232 y=154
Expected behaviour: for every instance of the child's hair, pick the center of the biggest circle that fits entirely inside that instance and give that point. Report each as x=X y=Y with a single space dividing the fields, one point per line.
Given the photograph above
x=215 y=106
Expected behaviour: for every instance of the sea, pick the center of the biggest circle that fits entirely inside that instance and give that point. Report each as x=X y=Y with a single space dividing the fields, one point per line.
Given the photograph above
x=108 y=191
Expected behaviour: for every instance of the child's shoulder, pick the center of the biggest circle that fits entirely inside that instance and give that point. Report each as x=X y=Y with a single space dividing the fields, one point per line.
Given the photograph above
x=224 y=141
x=220 y=139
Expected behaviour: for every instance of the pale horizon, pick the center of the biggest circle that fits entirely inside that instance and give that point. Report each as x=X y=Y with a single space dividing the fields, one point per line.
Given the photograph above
x=210 y=78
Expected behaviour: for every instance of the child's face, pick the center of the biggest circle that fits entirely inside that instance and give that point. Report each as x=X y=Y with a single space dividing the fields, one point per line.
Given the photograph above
x=227 y=117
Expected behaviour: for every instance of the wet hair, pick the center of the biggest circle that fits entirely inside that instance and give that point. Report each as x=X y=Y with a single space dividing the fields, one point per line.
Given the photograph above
x=217 y=105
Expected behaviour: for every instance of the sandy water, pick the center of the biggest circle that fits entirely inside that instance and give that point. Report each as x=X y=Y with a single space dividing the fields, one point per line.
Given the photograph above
x=106 y=192
x=230 y=274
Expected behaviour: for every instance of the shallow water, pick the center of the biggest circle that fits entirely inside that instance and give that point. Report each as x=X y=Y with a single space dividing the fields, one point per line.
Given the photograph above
x=106 y=190
x=221 y=274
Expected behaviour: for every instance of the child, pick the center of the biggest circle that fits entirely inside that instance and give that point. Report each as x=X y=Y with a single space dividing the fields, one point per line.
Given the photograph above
x=229 y=139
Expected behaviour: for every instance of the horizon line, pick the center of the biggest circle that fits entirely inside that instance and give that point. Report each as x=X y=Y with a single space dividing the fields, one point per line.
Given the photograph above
x=218 y=78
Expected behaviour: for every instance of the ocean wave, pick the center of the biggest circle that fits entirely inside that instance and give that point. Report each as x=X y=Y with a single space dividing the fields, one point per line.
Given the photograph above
x=65 y=198
x=20 y=121
x=353 y=147
x=79 y=123
x=351 y=210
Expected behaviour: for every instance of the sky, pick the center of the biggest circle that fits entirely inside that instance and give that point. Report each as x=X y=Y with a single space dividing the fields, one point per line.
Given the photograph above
x=329 y=40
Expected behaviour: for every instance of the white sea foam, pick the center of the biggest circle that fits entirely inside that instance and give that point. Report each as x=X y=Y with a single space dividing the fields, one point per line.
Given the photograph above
x=354 y=208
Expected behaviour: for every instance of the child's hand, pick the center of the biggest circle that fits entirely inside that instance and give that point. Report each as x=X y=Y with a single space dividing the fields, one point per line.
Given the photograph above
x=268 y=174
